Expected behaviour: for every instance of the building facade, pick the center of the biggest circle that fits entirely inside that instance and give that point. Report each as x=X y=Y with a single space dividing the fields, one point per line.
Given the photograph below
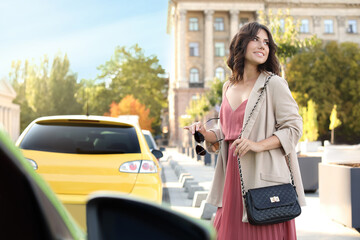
x=202 y=30
x=9 y=112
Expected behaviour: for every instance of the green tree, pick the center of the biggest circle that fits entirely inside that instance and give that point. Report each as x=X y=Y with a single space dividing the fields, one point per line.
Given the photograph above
x=129 y=71
x=196 y=110
x=17 y=75
x=201 y=105
x=95 y=97
x=310 y=127
x=334 y=123
x=330 y=75
x=214 y=95
x=285 y=33
x=62 y=86
x=42 y=90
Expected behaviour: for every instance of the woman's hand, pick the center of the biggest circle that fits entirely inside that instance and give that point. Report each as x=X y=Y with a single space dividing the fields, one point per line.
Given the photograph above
x=197 y=126
x=242 y=146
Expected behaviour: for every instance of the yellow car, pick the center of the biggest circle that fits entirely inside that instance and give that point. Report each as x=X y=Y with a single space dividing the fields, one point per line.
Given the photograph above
x=78 y=155
x=30 y=210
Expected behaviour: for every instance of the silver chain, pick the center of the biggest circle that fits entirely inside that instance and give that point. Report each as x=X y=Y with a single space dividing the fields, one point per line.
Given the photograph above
x=242 y=130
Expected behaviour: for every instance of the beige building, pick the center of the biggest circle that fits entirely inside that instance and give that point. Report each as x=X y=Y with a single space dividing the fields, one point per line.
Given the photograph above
x=202 y=31
x=9 y=112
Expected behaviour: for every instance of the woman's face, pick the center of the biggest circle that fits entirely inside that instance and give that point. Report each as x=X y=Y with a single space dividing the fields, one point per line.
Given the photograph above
x=257 y=50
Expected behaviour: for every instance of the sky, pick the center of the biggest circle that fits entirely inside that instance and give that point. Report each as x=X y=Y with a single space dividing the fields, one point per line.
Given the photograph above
x=86 y=30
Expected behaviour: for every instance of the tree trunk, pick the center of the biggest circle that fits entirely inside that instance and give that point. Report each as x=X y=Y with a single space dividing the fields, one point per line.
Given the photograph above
x=282 y=69
x=332 y=136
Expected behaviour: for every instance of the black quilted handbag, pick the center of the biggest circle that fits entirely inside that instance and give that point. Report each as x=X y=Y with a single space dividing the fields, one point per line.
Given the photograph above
x=273 y=204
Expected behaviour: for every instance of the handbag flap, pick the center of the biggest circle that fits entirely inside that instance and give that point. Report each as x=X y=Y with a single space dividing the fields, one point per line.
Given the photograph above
x=273 y=196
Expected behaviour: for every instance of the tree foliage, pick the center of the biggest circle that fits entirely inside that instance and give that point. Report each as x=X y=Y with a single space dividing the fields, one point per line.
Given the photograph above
x=201 y=105
x=129 y=71
x=43 y=90
x=334 y=123
x=214 y=95
x=196 y=110
x=50 y=90
x=330 y=75
x=131 y=106
x=310 y=127
x=95 y=97
x=285 y=33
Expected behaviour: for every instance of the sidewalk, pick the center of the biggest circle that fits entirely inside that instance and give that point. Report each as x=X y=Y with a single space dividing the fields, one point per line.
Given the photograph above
x=311 y=224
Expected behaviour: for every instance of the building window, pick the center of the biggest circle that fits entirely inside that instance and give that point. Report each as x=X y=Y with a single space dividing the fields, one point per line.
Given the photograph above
x=243 y=21
x=219 y=49
x=194 y=49
x=304 y=27
x=193 y=24
x=220 y=73
x=219 y=24
x=194 y=75
x=195 y=97
x=351 y=27
x=329 y=26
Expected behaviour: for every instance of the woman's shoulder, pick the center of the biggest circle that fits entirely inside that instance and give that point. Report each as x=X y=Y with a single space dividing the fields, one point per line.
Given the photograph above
x=225 y=85
x=276 y=80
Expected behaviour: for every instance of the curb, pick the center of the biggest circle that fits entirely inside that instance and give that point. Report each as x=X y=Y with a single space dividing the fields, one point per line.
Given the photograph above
x=195 y=191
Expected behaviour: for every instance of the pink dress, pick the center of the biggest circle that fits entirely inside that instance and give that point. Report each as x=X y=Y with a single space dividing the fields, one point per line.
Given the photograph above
x=228 y=220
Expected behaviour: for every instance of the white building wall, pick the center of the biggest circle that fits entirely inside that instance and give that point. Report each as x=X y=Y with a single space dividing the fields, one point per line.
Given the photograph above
x=9 y=112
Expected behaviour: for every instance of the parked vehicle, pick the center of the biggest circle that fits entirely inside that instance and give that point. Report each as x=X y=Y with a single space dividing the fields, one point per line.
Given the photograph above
x=78 y=155
x=150 y=140
x=151 y=143
x=30 y=210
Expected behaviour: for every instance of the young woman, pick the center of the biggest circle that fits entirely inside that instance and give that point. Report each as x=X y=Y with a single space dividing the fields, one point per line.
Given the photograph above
x=273 y=131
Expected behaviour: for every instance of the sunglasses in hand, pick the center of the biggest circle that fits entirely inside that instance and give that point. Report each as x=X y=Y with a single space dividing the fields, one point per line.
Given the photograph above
x=199 y=138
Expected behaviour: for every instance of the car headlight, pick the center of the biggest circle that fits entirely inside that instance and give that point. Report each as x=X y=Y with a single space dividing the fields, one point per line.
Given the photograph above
x=138 y=166
x=33 y=163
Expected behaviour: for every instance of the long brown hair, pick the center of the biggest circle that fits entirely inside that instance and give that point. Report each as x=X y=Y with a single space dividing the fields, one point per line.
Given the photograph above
x=236 y=60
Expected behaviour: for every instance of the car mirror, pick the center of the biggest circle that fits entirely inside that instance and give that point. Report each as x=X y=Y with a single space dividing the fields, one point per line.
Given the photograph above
x=157 y=153
x=114 y=216
x=41 y=216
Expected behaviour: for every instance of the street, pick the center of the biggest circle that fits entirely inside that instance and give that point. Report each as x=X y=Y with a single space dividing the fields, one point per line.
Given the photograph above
x=311 y=224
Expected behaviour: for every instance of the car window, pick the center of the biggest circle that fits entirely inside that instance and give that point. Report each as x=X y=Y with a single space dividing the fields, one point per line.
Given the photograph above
x=149 y=141
x=81 y=138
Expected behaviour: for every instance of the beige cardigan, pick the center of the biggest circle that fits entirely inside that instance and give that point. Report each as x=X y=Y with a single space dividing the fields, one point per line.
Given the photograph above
x=276 y=114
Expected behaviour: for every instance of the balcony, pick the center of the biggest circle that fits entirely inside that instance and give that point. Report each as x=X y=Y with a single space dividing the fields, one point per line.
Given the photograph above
x=196 y=85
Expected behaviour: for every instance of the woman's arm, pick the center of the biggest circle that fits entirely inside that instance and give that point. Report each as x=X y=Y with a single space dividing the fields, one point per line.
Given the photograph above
x=244 y=145
x=288 y=120
x=288 y=127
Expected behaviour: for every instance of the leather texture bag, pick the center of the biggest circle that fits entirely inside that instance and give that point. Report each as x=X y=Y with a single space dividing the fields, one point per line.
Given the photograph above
x=273 y=204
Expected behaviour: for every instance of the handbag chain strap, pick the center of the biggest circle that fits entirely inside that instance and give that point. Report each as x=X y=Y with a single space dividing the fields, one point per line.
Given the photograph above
x=246 y=123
